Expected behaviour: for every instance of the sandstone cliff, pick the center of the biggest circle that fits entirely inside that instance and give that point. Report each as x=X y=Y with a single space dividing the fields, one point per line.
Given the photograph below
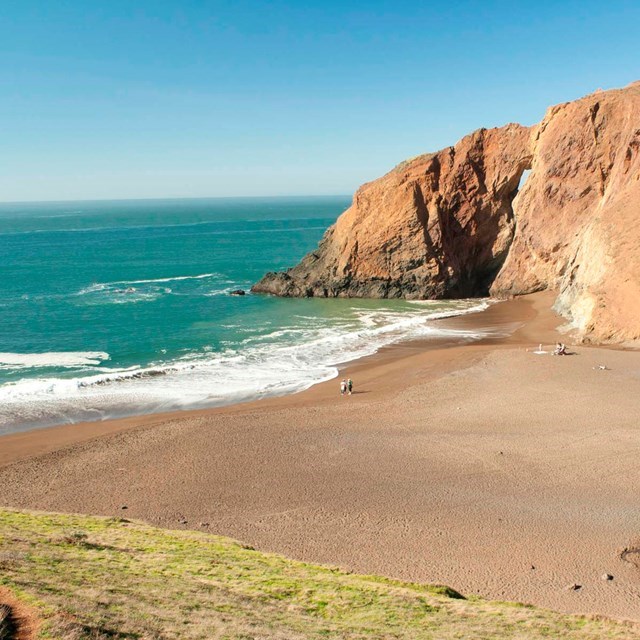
x=454 y=224
x=439 y=225
x=578 y=216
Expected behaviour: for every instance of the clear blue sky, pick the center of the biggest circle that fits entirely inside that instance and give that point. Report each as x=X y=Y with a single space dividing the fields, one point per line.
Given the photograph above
x=154 y=98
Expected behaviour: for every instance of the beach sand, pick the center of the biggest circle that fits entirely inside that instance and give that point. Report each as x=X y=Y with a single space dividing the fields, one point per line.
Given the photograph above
x=483 y=466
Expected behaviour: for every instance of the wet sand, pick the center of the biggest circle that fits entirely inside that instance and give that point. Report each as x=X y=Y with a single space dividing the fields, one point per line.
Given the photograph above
x=484 y=466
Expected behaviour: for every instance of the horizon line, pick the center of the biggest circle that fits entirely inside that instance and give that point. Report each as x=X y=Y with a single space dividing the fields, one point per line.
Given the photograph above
x=142 y=199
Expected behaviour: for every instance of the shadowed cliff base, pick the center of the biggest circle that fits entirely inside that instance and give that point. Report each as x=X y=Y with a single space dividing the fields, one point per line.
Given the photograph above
x=453 y=223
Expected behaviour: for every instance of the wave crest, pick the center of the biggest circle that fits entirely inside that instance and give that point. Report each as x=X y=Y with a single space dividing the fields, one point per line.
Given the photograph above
x=285 y=360
x=52 y=359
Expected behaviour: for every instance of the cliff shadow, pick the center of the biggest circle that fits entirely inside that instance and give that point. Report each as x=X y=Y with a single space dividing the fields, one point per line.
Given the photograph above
x=464 y=253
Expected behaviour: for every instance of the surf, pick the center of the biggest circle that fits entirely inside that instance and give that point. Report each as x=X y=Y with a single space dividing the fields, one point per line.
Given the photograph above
x=121 y=322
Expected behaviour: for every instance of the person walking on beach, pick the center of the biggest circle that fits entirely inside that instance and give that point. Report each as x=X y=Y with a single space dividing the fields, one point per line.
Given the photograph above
x=350 y=385
x=343 y=387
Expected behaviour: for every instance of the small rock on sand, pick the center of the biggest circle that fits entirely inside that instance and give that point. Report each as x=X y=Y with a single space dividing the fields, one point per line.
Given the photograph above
x=607 y=576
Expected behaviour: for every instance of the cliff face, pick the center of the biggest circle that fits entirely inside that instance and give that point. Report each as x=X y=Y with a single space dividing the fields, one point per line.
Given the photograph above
x=453 y=223
x=578 y=216
x=439 y=225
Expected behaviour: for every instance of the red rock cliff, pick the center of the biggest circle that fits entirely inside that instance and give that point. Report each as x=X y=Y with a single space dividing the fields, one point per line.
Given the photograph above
x=578 y=216
x=439 y=225
x=453 y=223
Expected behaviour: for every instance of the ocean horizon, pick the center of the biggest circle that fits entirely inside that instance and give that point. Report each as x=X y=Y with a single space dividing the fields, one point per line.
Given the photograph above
x=123 y=307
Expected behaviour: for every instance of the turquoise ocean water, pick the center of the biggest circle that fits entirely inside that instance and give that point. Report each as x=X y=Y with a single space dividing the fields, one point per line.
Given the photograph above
x=119 y=308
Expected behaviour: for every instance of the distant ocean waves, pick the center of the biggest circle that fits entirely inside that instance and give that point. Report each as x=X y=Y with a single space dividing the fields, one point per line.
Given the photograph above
x=133 y=291
x=288 y=359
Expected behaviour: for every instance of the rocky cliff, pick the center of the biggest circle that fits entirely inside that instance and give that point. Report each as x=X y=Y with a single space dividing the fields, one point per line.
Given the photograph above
x=453 y=223
x=578 y=216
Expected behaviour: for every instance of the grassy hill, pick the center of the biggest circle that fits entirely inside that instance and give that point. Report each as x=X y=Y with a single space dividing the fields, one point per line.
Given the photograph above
x=88 y=577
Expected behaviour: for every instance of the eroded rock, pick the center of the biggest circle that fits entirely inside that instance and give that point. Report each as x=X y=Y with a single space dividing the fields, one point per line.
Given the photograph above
x=437 y=226
x=453 y=224
x=578 y=216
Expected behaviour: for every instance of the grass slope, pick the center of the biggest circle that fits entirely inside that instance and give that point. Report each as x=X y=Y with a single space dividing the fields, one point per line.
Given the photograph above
x=91 y=577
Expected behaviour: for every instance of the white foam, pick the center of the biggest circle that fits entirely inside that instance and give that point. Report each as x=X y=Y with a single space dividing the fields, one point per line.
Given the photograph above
x=133 y=291
x=220 y=292
x=129 y=298
x=53 y=359
x=172 y=279
x=286 y=360
x=104 y=286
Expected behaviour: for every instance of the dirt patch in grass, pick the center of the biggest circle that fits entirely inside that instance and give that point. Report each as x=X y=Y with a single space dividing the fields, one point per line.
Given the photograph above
x=17 y=620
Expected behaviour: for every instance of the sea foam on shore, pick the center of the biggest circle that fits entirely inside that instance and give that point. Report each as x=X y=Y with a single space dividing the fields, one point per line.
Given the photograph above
x=273 y=361
x=125 y=308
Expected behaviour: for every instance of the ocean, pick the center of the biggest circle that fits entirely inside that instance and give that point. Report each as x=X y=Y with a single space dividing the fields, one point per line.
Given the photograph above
x=109 y=309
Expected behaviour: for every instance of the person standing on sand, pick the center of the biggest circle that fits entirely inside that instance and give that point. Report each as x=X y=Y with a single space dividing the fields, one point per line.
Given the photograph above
x=343 y=387
x=350 y=385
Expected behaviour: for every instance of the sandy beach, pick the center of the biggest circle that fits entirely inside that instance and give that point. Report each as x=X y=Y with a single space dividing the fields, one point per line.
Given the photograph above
x=482 y=466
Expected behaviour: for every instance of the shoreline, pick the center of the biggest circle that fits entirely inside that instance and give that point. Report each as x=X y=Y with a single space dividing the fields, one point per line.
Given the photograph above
x=32 y=441
x=141 y=411
x=482 y=466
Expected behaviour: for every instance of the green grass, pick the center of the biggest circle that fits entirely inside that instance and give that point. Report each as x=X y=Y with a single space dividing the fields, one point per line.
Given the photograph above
x=90 y=577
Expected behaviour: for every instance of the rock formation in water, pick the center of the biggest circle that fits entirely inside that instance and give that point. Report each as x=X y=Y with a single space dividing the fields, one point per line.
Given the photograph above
x=437 y=226
x=453 y=223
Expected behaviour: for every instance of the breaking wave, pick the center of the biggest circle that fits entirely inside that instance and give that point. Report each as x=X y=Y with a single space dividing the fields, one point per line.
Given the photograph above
x=102 y=286
x=286 y=360
x=148 y=290
x=52 y=359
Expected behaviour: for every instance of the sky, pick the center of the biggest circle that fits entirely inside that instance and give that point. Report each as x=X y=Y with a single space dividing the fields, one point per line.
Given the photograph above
x=196 y=98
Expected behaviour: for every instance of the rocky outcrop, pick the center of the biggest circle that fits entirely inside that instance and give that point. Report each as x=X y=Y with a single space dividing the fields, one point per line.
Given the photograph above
x=578 y=216
x=453 y=223
x=439 y=225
